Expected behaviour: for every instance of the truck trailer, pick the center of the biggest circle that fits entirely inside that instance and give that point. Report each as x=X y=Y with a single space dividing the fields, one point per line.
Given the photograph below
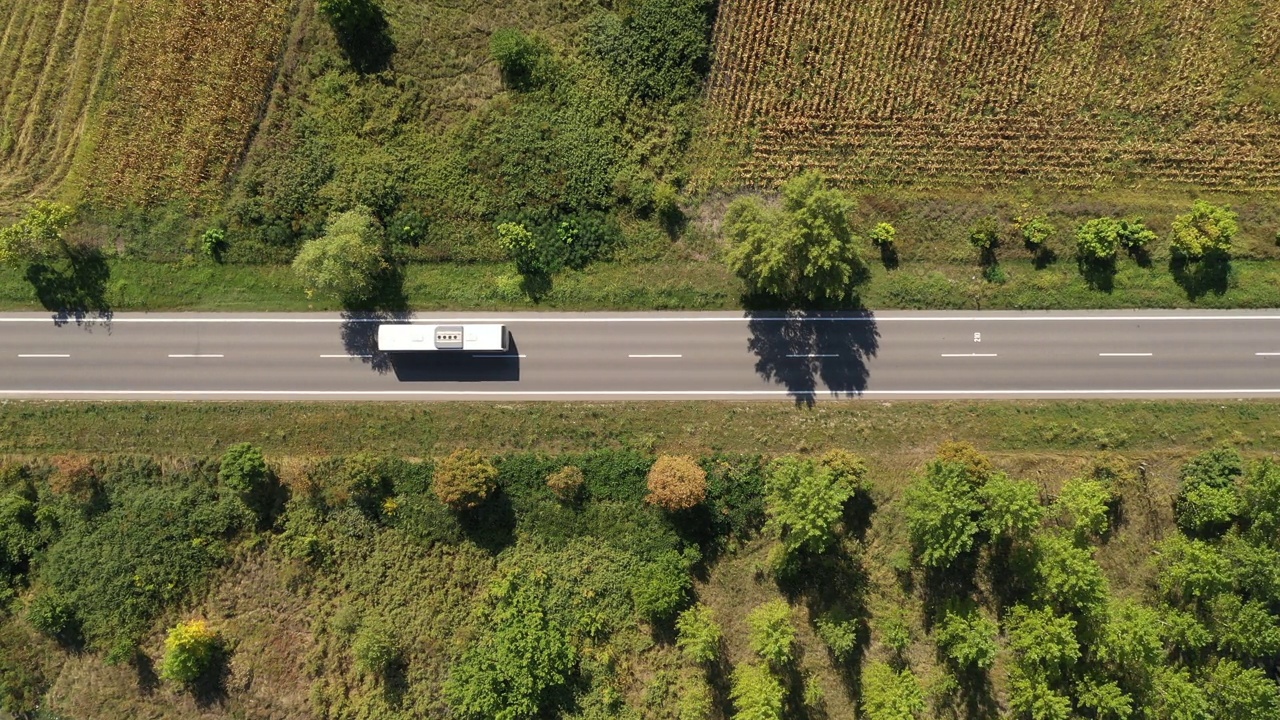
x=433 y=338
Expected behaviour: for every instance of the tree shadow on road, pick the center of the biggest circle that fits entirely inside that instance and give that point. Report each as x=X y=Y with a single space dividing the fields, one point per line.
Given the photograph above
x=387 y=304
x=807 y=352
x=76 y=292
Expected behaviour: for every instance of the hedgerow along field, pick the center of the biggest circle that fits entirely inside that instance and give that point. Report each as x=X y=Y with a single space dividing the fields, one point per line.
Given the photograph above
x=1077 y=94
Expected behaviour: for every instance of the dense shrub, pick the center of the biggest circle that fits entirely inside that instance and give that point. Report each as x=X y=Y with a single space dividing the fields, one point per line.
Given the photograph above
x=942 y=513
x=244 y=472
x=773 y=635
x=883 y=235
x=190 y=651
x=839 y=633
x=984 y=235
x=698 y=634
x=1036 y=230
x=524 y=59
x=756 y=693
x=1068 y=577
x=676 y=483
x=657 y=51
x=38 y=236
x=888 y=694
x=1086 y=504
x=375 y=649
x=464 y=479
x=1206 y=230
x=662 y=584
x=53 y=616
x=1011 y=509
x=1208 y=500
x=967 y=637
x=566 y=483
x=977 y=467
x=1260 y=502
x=735 y=494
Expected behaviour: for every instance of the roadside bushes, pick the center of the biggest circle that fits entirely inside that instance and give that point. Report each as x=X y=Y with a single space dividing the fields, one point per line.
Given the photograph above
x=190 y=652
x=346 y=261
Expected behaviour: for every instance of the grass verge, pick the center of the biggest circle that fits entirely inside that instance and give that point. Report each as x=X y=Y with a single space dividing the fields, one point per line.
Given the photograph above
x=664 y=285
x=417 y=430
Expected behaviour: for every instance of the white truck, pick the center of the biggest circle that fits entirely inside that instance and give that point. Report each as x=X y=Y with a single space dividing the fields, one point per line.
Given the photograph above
x=431 y=338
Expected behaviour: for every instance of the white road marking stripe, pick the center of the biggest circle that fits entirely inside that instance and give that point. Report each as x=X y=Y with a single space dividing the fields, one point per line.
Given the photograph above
x=813 y=356
x=634 y=393
x=529 y=320
x=347 y=357
x=43 y=355
x=195 y=356
x=969 y=355
x=655 y=356
x=1124 y=354
x=1267 y=354
x=500 y=355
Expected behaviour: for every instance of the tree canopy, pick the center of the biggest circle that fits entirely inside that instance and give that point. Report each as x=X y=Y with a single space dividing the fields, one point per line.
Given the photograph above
x=344 y=263
x=38 y=236
x=1207 y=229
x=805 y=501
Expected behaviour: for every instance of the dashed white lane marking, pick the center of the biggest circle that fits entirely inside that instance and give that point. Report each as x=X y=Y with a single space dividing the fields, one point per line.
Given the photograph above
x=1124 y=354
x=1267 y=354
x=878 y=318
x=196 y=356
x=968 y=355
x=813 y=356
x=500 y=356
x=655 y=356
x=347 y=357
x=43 y=355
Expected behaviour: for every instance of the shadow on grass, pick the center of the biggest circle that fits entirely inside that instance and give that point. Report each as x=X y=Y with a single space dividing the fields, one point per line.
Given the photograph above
x=1042 y=256
x=210 y=689
x=366 y=39
x=1098 y=274
x=1197 y=278
x=75 y=291
x=809 y=352
x=889 y=256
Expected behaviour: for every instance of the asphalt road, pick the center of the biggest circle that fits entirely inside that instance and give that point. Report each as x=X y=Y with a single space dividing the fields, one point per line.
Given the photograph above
x=891 y=355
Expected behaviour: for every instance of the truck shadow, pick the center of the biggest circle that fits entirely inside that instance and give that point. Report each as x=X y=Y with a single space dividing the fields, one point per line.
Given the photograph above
x=456 y=366
x=812 y=352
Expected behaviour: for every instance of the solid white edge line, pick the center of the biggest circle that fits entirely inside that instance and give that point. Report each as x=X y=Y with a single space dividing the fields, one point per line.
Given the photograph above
x=669 y=357
x=188 y=357
x=969 y=355
x=500 y=356
x=42 y=355
x=527 y=320
x=1124 y=355
x=636 y=393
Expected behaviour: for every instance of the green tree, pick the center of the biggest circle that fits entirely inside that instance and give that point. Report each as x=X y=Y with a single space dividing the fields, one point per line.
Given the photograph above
x=698 y=634
x=364 y=480
x=345 y=262
x=883 y=235
x=1244 y=628
x=1036 y=230
x=464 y=479
x=756 y=694
x=1086 y=504
x=190 y=651
x=511 y=672
x=1174 y=696
x=805 y=501
x=525 y=60
x=244 y=471
x=984 y=235
x=1207 y=230
x=839 y=633
x=846 y=468
x=349 y=18
x=805 y=252
x=522 y=247
x=890 y=695
x=966 y=636
x=978 y=467
x=942 y=513
x=1011 y=508
x=1042 y=640
x=1104 y=699
x=773 y=635
x=1241 y=693
x=1032 y=695
x=38 y=236
x=1260 y=502
x=1098 y=241
x=1130 y=641
x=1068 y=577
x=1208 y=501
x=1191 y=572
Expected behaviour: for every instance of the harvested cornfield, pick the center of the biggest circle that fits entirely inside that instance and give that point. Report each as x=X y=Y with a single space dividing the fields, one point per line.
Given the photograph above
x=136 y=101
x=1065 y=93
x=53 y=55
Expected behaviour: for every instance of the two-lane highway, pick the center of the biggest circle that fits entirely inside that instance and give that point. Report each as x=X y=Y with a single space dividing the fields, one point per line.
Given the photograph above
x=554 y=356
